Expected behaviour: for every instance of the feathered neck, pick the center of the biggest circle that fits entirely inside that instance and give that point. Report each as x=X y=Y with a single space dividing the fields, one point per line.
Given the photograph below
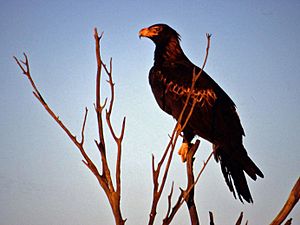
x=168 y=52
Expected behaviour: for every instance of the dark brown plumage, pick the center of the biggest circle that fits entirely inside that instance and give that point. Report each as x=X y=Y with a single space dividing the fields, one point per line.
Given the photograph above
x=214 y=117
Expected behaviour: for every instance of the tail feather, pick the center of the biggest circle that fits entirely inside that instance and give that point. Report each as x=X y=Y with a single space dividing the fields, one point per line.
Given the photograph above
x=251 y=169
x=233 y=167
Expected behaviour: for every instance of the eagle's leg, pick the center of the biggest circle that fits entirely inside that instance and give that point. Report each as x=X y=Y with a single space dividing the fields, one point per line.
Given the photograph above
x=186 y=144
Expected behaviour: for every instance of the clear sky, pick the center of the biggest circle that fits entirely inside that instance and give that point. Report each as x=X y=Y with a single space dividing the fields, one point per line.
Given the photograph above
x=254 y=56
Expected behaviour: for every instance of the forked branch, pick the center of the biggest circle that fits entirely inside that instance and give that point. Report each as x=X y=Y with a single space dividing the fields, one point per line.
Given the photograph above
x=105 y=180
x=24 y=66
x=115 y=193
x=187 y=195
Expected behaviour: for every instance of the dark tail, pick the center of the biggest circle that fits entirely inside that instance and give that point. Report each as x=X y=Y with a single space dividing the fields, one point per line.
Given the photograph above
x=233 y=165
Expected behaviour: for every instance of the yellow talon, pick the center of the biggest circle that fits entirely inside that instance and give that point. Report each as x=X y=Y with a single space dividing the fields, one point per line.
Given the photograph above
x=183 y=151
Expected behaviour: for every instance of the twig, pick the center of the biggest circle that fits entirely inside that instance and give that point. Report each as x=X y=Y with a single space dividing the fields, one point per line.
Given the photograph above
x=211 y=218
x=288 y=222
x=83 y=126
x=24 y=66
x=98 y=105
x=170 y=199
x=240 y=219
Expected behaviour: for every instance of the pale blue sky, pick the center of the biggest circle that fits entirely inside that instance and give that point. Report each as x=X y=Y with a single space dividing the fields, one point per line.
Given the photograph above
x=254 y=56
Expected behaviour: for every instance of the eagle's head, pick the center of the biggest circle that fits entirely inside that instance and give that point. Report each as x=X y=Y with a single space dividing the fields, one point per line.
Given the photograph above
x=160 y=34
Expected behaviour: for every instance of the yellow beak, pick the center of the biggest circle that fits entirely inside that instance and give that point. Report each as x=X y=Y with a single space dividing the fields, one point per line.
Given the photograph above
x=145 y=32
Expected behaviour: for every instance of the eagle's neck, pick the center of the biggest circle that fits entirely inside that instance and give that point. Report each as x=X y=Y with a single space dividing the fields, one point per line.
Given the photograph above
x=169 y=52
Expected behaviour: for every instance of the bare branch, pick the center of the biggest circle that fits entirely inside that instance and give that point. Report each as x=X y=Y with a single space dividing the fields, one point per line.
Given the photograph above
x=99 y=108
x=208 y=36
x=289 y=204
x=105 y=179
x=239 y=221
x=119 y=139
x=203 y=167
x=288 y=222
x=211 y=219
x=37 y=94
x=188 y=194
x=170 y=199
x=83 y=126
x=20 y=65
x=26 y=71
x=111 y=84
x=115 y=194
x=122 y=129
x=171 y=213
x=190 y=175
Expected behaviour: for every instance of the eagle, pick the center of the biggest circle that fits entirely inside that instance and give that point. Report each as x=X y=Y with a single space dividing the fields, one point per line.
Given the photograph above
x=214 y=116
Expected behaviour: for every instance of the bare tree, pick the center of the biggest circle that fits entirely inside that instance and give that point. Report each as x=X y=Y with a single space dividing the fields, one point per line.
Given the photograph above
x=106 y=180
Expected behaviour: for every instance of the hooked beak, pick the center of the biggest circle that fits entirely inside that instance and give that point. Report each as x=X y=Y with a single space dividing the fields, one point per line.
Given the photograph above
x=145 y=32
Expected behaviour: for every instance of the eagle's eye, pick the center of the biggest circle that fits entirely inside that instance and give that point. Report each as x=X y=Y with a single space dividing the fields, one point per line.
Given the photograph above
x=157 y=29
